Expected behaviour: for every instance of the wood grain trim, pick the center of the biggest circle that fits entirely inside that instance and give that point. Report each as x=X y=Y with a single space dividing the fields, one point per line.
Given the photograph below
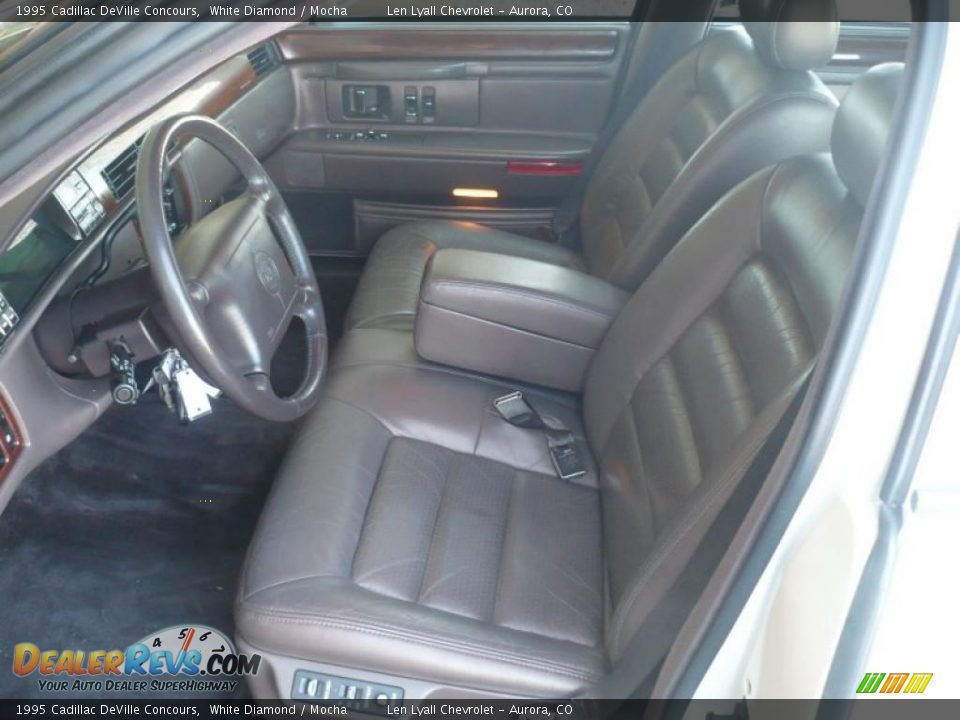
x=427 y=43
x=9 y=449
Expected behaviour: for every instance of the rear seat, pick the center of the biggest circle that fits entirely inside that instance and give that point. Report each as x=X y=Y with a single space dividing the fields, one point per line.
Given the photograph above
x=741 y=100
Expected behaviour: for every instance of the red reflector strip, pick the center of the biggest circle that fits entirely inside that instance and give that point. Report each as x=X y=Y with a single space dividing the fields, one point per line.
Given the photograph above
x=543 y=167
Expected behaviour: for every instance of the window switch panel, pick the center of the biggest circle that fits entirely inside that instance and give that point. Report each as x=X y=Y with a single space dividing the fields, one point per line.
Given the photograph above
x=411 y=108
x=428 y=104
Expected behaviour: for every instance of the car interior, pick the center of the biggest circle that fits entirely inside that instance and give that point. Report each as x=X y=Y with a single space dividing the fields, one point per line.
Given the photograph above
x=470 y=335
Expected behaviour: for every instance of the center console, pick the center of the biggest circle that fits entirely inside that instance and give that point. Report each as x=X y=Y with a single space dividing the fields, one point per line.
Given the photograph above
x=521 y=319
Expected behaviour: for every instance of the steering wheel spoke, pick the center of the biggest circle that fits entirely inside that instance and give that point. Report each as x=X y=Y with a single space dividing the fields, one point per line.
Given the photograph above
x=237 y=278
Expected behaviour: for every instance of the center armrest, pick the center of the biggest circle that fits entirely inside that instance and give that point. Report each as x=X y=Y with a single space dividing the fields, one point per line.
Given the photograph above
x=517 y=318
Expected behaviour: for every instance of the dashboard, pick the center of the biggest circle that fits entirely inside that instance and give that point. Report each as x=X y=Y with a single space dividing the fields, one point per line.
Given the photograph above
x=47 y=239
x=29 y=261
x=90 y=210
x=73 y=278
x=71 y=214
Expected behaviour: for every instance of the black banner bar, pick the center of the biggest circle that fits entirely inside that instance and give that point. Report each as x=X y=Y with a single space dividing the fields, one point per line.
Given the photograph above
x=407 y=10
x=876 y=709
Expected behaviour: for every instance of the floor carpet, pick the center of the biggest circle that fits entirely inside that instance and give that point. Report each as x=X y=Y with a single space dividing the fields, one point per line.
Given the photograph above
x=139 y=524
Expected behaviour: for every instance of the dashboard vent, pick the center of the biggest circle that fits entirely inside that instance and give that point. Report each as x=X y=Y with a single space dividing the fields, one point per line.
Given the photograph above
x=119 y=174
x=263 y=59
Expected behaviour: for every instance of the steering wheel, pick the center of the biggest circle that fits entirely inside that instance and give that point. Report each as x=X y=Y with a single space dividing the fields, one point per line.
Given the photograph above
x=236 y=279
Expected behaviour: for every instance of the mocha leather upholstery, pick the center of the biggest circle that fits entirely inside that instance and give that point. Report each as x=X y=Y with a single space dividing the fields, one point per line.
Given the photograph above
x=715 y=368
x=413 y=532
x=793 y=36
x=720 y=113
x=389 y=288
x=514 y=318
x=727 y=108
x=860 y=130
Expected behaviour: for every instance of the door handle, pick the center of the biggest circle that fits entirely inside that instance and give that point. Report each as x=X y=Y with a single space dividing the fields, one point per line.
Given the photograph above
x=408 y=71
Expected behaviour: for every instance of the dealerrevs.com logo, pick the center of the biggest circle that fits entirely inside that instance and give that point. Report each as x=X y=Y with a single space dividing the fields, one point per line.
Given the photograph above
x=182 y=658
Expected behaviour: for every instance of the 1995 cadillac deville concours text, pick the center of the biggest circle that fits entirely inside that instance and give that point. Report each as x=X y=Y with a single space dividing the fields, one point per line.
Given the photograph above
x=185 y=710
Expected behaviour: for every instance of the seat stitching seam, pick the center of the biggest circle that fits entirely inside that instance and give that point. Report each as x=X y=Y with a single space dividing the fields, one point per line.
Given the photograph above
x=638 y=375
x=686 y=404
x=441 y=369
x=658 y=556
x=791 y=290
x=728 y=323
x=481 y=424
x=363 y=324
x=366 y=412
x=633 y=433
x=366 y=511
x=533 y=295
x=512 y=658
x=516 y=328
x=503 y=549
x=248 y=596
x=578 y=435
x=761 y=102
x=454 y=468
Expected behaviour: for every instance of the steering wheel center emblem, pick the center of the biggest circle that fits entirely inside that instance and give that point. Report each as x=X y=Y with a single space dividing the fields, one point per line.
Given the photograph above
x=267 y=273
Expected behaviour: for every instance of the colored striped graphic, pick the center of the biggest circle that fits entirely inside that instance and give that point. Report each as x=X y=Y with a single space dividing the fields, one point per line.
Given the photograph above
x=918 y=682
x=894 y=683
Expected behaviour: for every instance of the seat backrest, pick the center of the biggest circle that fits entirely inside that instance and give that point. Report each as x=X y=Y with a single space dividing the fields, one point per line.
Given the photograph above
x=706 y=356
x=740 y=100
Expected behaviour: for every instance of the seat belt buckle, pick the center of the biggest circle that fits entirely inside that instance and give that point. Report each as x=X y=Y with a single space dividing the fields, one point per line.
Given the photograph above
x=562 y=444
x=515 y=409
x=563 y=452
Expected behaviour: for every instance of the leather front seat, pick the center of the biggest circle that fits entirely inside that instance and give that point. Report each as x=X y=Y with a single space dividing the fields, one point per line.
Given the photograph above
x=736 y=102
x=415 y=538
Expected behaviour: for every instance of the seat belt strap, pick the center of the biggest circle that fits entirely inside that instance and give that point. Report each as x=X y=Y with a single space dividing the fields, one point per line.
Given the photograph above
x=646 y=651
x=561 y=442
x=515 y=409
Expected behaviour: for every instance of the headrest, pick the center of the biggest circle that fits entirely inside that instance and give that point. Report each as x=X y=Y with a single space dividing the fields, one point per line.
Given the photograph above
x=792 y=34
x=861 y=127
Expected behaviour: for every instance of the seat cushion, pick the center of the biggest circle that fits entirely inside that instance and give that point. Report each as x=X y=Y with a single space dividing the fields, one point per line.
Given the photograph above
x=390 y=285
x=413 y=532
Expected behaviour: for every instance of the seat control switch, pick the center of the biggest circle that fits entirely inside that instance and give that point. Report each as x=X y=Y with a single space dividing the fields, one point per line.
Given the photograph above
x=370 y=697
